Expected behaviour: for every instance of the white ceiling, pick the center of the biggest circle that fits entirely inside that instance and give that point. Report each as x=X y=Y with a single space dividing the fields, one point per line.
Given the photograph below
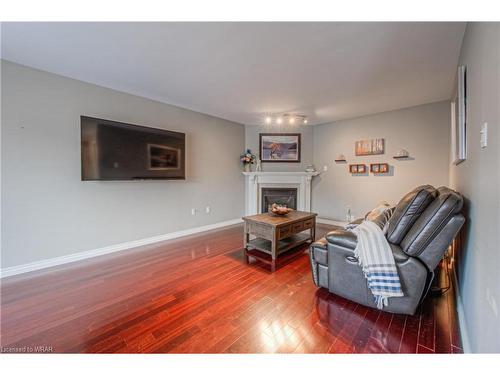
x=241 y=71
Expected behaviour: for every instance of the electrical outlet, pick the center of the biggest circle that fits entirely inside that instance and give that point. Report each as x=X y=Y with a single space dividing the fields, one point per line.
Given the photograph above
x=193 y=211
x=207 y=209
x=484 y=135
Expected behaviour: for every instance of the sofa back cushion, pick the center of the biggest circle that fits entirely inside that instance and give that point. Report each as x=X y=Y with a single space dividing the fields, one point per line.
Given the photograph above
x=431 y=221
x=407 y=211
x=382 y=219
x=381 y=207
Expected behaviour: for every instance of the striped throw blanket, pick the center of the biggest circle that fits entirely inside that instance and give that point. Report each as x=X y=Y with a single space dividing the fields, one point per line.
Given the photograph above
x=377 y=261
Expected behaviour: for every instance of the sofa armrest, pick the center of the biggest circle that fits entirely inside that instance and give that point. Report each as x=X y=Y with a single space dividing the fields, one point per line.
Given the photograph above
x=342 y=237
x=321 y=243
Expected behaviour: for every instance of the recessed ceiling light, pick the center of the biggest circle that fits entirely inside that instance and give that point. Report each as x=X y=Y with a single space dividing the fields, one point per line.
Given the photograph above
x=291 y=120
x=305 y=121
x=279 y=120
x=268 y=119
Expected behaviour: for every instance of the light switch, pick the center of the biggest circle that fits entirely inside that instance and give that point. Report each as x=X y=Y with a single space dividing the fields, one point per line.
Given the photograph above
x=484 y=135
x=325 y=168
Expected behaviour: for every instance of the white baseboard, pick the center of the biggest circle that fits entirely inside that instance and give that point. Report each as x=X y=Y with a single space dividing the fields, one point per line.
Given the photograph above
x=23 y=268
x=321 y=220
x=464 y=333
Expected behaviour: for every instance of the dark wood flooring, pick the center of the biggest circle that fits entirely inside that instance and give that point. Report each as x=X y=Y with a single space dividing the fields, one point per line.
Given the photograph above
x=196 y=295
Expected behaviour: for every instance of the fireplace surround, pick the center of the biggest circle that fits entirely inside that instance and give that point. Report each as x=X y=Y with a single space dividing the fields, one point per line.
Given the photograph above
x=255 y=182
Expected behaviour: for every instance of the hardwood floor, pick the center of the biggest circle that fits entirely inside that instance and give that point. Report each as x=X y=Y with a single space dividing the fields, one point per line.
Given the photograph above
x=196 y=295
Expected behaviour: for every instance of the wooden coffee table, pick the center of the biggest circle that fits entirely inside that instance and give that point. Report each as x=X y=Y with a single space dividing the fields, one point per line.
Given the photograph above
x=275 y=235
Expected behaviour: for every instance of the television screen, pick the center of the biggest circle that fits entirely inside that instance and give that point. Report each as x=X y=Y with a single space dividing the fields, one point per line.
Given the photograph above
x=118 y=151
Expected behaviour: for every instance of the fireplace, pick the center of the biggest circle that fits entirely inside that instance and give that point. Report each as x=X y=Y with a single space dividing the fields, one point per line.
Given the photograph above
x=282 y=196
x=255 y=182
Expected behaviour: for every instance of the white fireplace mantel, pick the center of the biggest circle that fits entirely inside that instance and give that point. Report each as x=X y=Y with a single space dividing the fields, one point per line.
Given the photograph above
x=255 y=181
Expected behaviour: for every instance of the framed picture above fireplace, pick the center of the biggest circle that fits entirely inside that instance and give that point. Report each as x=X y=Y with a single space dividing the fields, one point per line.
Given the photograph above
x=279 y=147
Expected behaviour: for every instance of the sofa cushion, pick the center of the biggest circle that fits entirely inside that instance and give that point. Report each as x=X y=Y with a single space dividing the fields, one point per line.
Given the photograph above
x=407 y=212
x=431 y=221
x=381 y=207
x=382 y=219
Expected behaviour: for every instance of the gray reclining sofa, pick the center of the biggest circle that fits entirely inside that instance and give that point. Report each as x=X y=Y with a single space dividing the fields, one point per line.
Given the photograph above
x=419 y=230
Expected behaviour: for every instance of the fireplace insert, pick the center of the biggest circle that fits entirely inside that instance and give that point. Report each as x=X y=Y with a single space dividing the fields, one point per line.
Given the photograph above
x=281 y=196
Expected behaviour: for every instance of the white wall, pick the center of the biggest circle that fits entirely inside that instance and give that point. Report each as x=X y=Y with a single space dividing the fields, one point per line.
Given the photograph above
x=306 y=154
x=422 y=130
x=48 y=212
x=478 y=179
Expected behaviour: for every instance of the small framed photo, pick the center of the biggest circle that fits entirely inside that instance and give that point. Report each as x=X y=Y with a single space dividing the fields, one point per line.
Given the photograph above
x=357 y=168
x=379 y=168
x=279 y=147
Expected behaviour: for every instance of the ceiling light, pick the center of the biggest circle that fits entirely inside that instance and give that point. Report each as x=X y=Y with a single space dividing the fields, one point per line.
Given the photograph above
x=286 y=118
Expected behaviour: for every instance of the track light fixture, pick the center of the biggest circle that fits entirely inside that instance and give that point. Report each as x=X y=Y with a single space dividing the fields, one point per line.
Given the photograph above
x=287 y=118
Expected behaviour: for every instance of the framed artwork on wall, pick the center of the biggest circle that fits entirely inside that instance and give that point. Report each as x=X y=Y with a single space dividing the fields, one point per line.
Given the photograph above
x=379 y=168
x=357 y=168
x=279 y=147
x=458 y=118
x=369 y=147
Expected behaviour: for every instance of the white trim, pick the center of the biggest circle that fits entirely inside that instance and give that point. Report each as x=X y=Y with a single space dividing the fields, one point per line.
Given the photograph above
x=46 y=263
x=464 y=333
x=297 y=174
x=321 y=220
x=254 y=181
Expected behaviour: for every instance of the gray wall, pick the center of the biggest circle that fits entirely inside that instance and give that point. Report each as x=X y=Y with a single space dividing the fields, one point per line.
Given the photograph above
x=478 y=179
x=48 y=212
x=306 y=157
x=422 y=130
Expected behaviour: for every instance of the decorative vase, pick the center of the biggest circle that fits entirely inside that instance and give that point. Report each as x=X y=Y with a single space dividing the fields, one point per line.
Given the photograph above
x=247 y=167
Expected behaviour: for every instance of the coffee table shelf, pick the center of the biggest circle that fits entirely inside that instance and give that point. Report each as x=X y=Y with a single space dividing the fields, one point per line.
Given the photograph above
x=275 y=235
x=283 y=245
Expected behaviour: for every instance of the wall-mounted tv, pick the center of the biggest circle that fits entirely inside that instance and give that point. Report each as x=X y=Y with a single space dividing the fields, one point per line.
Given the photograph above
x=117 y=151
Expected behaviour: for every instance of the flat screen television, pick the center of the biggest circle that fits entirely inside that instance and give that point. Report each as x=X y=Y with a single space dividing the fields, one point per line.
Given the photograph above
x=117 y=151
